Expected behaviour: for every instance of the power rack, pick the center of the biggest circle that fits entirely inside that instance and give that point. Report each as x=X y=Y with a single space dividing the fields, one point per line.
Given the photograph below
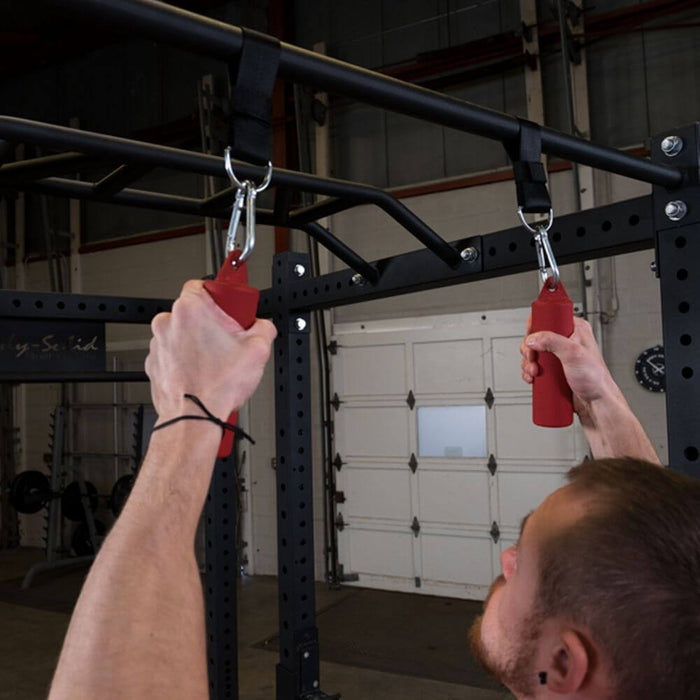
x=637 y=224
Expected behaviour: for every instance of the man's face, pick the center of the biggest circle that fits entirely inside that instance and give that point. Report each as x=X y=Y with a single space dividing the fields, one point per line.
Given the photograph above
x=505 y=638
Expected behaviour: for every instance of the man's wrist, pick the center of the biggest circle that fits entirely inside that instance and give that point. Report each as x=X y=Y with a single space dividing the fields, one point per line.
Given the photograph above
x=608 y=406
x=189 y=405
x=191 y=437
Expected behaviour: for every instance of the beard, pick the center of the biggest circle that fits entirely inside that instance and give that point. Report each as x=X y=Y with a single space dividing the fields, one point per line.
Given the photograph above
x=515 y=666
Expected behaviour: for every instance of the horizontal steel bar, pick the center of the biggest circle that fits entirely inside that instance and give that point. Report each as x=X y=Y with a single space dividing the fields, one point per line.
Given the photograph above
x=604 y=231
x=80 y=307
x=186 y=205
x=45 y=166
x=319 y=210
x=118 y=179
x=205 y=36
x=128 y=151
x=141 y=199
x=220 y=200
x=68 y=376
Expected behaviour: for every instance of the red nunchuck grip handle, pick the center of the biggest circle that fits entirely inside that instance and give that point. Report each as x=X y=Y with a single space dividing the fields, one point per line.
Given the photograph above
x=231 y=292
x=552 y=401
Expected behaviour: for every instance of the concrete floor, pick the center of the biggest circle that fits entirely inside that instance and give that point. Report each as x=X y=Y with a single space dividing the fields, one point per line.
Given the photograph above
x=30 y=640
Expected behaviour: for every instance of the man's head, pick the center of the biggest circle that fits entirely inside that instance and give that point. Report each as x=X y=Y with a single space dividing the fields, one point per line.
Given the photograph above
x=602 y=591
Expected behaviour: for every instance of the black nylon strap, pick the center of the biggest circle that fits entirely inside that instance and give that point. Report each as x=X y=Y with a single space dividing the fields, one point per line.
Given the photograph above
x=252 y=81
x=525 y=152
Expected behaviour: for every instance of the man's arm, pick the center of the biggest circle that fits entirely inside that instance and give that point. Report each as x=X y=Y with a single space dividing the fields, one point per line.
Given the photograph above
x=612 y=430
x=138 y=629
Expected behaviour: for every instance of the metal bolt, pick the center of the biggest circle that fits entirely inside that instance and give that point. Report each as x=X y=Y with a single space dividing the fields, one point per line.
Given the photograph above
x=672 y=146
x=300 y=324
x=653 y=266
x=306 y=654
x=676 y=210
x=469 y=254
x=299 y=270
x=358 y=280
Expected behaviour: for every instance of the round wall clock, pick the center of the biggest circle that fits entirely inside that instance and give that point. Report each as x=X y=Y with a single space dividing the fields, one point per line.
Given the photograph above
x=650 y=369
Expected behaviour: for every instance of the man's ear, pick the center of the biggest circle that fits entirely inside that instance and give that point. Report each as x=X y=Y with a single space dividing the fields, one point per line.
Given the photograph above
x=569 y=664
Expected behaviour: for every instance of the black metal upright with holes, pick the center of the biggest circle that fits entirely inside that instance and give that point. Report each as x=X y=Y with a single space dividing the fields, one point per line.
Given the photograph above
x=221 y=580
x=677 y=221
x=298 y=668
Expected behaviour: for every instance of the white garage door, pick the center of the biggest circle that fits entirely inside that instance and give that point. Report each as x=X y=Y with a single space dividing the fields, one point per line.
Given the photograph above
x=440 y=459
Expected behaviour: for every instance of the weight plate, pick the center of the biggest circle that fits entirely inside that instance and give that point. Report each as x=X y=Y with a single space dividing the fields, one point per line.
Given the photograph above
x=71 y=502
x=29 y=492
x=120 y=492
x=81 y=542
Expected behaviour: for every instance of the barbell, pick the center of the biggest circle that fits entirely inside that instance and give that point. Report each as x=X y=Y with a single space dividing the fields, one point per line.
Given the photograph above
x=30 y=491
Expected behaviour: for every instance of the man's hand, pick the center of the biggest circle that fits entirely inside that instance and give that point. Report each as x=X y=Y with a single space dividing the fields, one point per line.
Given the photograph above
x=584 y=367
x=198 y=349
x=612 y=430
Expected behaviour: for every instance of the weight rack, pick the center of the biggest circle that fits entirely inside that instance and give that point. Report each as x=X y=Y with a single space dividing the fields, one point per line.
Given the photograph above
x=637 y=224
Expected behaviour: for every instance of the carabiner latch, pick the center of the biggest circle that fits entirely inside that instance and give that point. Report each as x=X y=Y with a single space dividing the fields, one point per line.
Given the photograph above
x=246 y=194
x=549 y=270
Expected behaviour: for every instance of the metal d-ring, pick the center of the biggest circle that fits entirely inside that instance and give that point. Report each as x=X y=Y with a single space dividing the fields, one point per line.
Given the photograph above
x=545 y=255
x=546 y=225
x=228 y=164
x=246 y=194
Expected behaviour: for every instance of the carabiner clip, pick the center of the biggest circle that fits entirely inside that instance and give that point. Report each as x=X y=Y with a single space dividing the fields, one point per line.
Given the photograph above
x=246 y=194
x=549 y=270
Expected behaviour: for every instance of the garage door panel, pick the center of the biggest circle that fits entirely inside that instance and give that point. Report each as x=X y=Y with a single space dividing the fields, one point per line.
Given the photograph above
x=372 y=431
x=371 y=370
x=520 y=492
x=505 y=353
x=465 y=560
x=518 y=438
x=453 y=497
x=377 y=493
x=381 y=553
x=449 y=367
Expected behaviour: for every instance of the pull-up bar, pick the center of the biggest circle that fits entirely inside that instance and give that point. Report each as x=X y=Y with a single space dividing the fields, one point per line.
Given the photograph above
x=138 y=155
x=162 y=22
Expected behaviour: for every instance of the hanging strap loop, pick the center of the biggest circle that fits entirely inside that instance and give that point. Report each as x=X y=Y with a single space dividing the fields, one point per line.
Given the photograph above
x=252 y=82
x=525 y=152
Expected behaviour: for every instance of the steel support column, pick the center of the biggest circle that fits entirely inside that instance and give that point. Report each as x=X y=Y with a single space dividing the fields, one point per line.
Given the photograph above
x=221 y=581
x=298 y=669
x=677 y=219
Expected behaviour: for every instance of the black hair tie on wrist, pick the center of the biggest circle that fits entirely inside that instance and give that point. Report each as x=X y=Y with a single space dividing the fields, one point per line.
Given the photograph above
x=210 y=417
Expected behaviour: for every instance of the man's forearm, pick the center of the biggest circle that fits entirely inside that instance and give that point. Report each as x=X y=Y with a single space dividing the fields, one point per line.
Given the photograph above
x=140 y=614
x=612 y=430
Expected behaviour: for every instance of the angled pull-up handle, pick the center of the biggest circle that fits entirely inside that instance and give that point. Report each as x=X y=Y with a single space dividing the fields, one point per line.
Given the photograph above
x=525 y=152
x=231 y=292
x=252 y=82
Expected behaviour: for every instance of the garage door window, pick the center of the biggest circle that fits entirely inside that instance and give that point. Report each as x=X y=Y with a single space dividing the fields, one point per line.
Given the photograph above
x=452 y=431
